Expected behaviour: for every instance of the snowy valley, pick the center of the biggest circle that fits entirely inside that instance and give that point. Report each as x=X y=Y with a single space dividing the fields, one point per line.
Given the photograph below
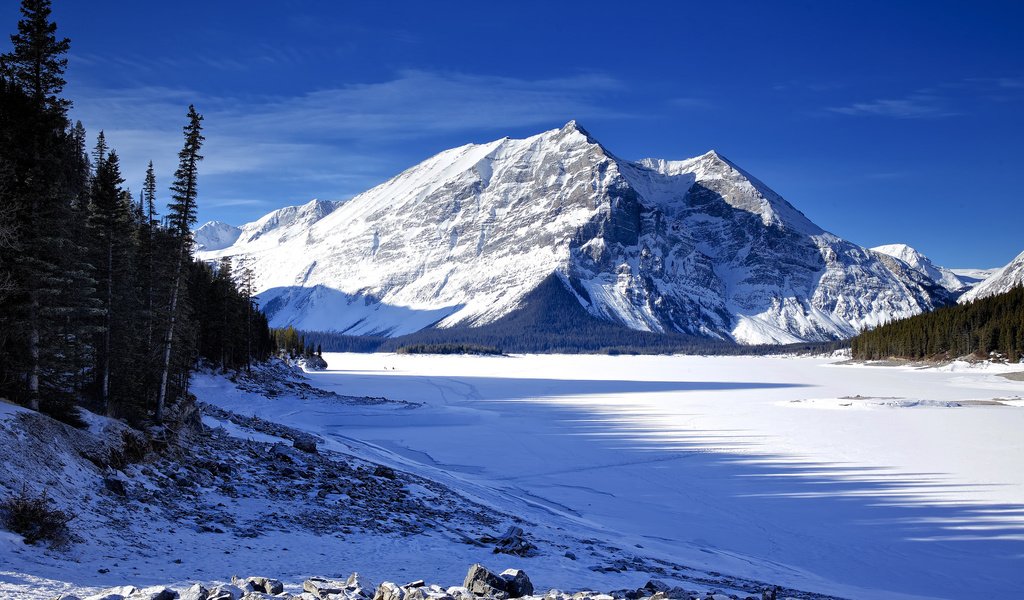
x=729 y=474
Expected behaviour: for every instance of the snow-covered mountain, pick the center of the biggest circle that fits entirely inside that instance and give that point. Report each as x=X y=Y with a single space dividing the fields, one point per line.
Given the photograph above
x=214 y=235
x=1000 y=282
x=922 y=264
x=695 y=246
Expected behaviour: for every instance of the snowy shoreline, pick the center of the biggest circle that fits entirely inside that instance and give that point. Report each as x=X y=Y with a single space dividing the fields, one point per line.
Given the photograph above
x=698 y=471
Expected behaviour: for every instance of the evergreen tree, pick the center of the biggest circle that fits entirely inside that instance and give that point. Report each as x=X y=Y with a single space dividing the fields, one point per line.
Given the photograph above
x=37 y=63
x=84 y=270
x=182 y=215
x=111 y=228
x=44 y=262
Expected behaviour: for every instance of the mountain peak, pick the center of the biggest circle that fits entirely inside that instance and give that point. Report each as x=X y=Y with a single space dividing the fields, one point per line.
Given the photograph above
x=573 y=126
x=696 y=247
x=922 y=264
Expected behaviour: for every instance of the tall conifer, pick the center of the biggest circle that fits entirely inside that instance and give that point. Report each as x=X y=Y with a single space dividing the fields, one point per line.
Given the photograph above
x=181 y=217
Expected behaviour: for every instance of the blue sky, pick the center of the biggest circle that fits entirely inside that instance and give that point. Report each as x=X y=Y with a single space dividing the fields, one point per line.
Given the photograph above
x=883 y=122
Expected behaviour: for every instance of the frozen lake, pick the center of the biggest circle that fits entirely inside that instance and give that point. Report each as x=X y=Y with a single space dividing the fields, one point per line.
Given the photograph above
x=839 y=479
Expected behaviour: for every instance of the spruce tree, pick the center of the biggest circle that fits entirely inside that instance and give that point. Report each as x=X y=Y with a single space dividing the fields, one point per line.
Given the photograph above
x=37 y=63
x=45 y=263
x=181 y=217
x=110 y=224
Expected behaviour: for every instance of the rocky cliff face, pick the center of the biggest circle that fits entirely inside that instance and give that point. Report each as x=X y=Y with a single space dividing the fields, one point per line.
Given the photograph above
x=1000 y=282
x=696 y=246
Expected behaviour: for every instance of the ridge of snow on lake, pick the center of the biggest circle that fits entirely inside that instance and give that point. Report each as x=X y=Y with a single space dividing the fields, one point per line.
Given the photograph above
x=893 y=482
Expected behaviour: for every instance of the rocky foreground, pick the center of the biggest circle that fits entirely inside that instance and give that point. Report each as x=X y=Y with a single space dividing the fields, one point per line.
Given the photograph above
x=480 y=584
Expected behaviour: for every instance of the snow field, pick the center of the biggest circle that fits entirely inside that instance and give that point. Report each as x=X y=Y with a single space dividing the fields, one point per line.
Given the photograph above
x=728 y=463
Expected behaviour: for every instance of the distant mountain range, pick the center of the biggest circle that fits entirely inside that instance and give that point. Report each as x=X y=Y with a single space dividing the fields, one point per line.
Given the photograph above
x=696 y=247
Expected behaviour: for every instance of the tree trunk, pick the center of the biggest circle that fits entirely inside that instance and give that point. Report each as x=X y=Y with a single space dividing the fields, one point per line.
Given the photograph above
x=169 y=338
x=33 y=353
x=105 y=382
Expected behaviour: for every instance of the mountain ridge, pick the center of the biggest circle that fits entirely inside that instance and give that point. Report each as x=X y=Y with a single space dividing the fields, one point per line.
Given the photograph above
x=696 y=247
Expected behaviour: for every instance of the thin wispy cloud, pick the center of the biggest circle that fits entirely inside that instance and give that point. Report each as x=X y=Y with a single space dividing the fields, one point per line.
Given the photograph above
x=691 y=102
x=917 y=106
x=422 y=103
x=328 y=137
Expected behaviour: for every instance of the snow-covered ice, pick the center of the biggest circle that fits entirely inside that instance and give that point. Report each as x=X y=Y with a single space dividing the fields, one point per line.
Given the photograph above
x=781 y=469
x=851 y=480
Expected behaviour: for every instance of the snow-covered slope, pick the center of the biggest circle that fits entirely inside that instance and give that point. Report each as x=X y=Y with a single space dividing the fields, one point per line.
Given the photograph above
x=973 y=276
x=695 y=246
x=1000 y=282
x=214 y=235
x=921 y=263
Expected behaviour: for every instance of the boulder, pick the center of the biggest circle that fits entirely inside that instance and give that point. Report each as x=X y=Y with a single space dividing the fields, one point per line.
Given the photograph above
x=481 y=582
x=63 y=596
x=264 y=584
x=154 y=593
x=517 y=584
x=769 y=593
x=305 y=444
x=459 y=592
x=225 y=592
x=196 y=592
x=389 y=591
x=360 y=586
x=320 y=587
x=114 y=593
x=655 y=585
x=243 y=584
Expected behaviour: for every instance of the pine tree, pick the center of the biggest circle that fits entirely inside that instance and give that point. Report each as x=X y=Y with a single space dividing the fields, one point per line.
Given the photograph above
x=110 y=224
x=45 y=265
x=182 y=215
x=38 y=60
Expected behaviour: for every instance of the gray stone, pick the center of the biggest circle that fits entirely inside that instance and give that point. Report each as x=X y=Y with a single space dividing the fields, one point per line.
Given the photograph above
x=459 y=591
x=389 y=591
x=154 y=593
x=481 y=582
x=243 y=584
x=265 y=585
x=360 y=585
x=517 y=584
x=195 y=592
x=114 y=593
x=66 y=597
x=226 y=592
x=656 y=586
x=305 y=444
x=320 y=587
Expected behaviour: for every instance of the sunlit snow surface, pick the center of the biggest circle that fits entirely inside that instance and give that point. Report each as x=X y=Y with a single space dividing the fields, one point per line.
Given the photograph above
x=864 y=482
x=859 y=481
